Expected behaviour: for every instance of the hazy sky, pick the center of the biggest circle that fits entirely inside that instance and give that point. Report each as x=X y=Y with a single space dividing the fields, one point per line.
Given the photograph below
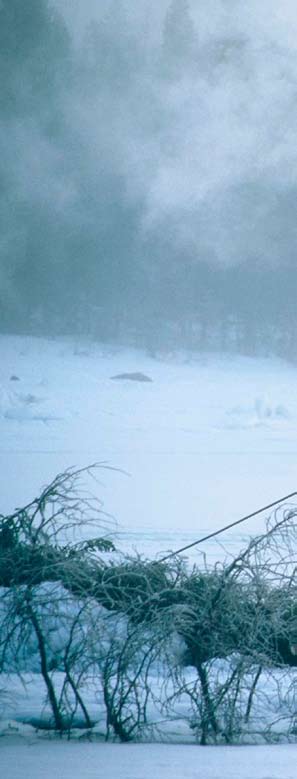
x=151 y=139
x=209 y=150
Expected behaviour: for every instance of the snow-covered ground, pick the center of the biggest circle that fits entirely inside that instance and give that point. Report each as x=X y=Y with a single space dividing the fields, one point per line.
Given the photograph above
x=212 y=437
x=137 y=761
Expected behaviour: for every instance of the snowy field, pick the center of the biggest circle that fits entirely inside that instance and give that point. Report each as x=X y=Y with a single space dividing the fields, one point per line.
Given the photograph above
x=209 y=439
x=161 y=761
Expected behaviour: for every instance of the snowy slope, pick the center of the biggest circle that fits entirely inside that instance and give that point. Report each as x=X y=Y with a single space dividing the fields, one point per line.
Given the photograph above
x=210 y=438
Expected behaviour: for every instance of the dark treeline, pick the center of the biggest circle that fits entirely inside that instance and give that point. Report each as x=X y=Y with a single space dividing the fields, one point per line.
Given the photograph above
x=132 y=207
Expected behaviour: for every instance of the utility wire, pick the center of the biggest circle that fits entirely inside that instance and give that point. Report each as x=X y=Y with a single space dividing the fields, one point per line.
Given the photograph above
x=227 y=527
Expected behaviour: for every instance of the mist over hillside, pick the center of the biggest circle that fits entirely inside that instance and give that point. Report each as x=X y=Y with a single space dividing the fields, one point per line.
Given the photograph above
x=148 y=172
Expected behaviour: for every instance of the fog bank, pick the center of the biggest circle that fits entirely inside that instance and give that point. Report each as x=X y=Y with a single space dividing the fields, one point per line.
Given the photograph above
x=148 y=171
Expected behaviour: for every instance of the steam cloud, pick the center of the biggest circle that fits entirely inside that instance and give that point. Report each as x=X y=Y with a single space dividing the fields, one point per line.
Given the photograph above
x=167 y=142
x=205 y=137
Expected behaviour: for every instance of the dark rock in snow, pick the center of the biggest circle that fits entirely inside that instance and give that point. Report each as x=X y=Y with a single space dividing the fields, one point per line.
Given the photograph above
x=132 y=377
x=14 y=378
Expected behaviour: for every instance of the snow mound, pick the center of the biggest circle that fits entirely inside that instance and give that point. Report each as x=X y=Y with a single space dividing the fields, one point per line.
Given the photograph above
x=261 y=413
x=135 y=376
x=7 y=401
x=22 y=407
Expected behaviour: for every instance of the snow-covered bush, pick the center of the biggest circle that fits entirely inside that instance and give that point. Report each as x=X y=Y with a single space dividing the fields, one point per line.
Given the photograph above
x=83 y=620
